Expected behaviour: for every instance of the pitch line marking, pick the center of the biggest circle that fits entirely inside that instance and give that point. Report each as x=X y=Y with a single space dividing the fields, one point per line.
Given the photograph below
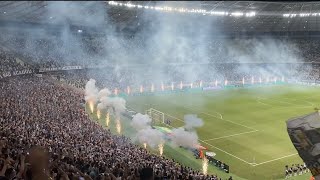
x=208 y=143
x=202 y=112
x=211 y=144
x=226 y=152
x=231 y=135
x=252 y=164
x=186 y=107
x=276 y=159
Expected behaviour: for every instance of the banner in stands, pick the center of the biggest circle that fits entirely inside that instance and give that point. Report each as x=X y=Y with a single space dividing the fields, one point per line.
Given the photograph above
x=60 y=68
x=15 y=73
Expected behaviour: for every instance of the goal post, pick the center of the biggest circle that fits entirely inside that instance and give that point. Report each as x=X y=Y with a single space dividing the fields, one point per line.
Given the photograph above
x=155 y=115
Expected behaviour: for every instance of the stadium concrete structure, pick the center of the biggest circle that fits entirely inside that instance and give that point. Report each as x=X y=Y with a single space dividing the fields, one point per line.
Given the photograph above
x=159 y=90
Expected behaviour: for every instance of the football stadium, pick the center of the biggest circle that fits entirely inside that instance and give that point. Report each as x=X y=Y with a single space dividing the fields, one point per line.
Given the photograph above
x=190 y=90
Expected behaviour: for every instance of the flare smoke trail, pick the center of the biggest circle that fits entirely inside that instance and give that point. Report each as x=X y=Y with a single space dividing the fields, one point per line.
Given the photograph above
x=205 y=166
x=98 y=113
x=91 y=93
x=107 y=119
x=118 y=126
x=160 y=147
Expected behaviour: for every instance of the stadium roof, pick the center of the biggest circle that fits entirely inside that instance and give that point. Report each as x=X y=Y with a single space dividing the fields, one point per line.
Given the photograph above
x=269 y=16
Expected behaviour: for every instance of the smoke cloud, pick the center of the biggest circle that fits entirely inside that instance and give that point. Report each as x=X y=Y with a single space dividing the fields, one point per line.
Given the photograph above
x=149 y=46
x=141 y=121
x=192 y=121
x=150 y=136
x=91 y=91
x=104 y=93
x=184 y=138
x=145 y=133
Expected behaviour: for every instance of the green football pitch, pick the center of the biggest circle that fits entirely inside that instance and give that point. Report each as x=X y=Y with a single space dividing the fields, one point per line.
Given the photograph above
x=245 y=127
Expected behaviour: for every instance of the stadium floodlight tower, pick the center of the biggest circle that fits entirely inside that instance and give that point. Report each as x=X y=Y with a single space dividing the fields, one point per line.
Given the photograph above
x=304 y=132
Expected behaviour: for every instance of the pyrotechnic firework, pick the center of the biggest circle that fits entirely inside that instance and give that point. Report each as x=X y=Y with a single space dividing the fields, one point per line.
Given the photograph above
x=205 y=165
x=160 y=146
x=91 y=106
x=98 y=114
x=145 y=145
x=118 y=126
x=107 y=119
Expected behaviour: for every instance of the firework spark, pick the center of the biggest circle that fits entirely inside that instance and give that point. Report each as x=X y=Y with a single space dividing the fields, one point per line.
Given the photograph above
x=107 y=119
x=98 y=114
x=205 y=165
x=160 y=146
x=118 y=126
x=91 y=106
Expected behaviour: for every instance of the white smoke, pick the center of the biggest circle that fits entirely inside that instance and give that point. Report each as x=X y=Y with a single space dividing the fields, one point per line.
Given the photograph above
x=117 y=104
x=140 y=121
x=150 y=136
x=192 y=121
x=104 y=93
x=181 y=137
x=91 y=91
x=145 y=134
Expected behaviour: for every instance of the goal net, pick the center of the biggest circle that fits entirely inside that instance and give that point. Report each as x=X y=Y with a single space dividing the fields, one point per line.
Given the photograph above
x=156 y=116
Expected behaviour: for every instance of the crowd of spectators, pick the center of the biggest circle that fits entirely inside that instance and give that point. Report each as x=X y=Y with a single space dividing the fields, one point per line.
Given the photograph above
x=9 y=63
x=45 y=133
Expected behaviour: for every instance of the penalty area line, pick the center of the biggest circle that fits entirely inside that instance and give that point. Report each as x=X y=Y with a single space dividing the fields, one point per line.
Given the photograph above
x=222 y=137
x=226 y=152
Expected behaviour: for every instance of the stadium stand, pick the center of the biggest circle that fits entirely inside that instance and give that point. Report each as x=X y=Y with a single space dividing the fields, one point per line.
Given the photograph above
x=46 y=133
x=32 y=139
